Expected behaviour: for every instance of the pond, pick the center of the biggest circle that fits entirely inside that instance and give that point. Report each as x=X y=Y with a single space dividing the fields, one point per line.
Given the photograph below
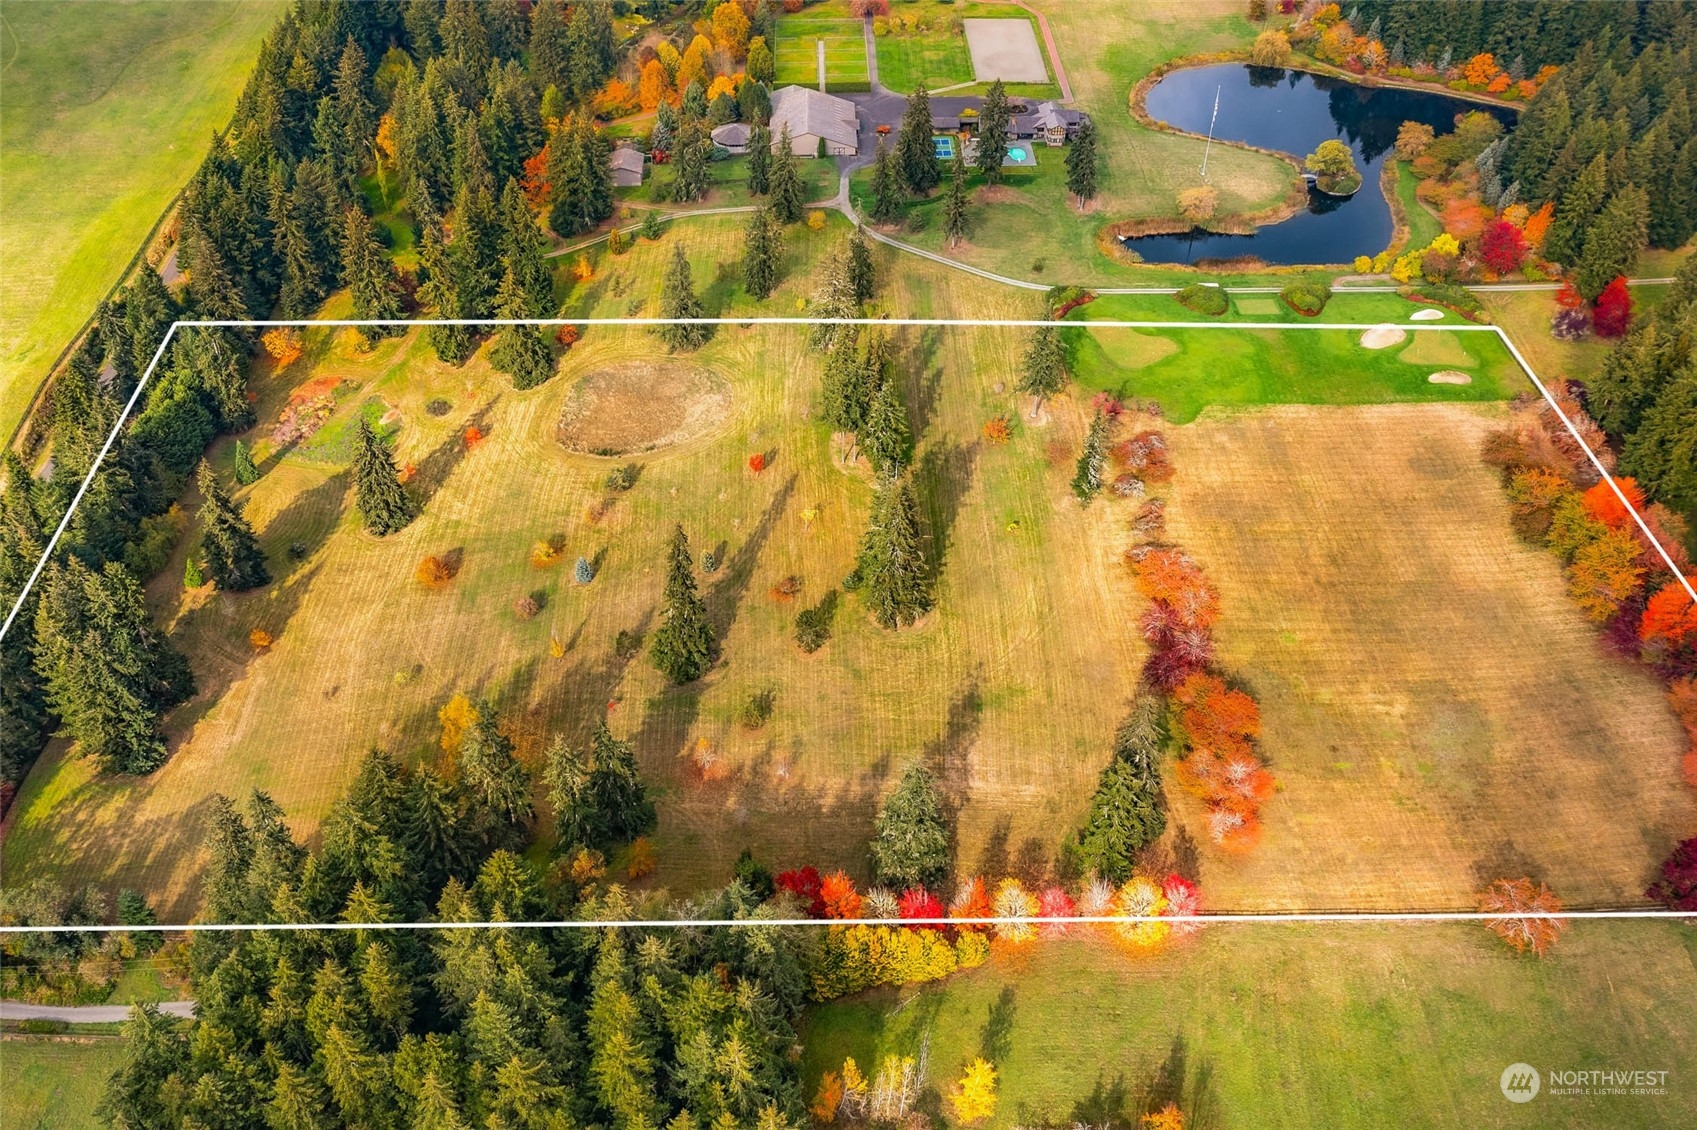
x=1294 y=111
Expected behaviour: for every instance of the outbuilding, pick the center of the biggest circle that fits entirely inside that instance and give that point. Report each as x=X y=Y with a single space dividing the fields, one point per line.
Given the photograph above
x=627 y=167
x=815 y=119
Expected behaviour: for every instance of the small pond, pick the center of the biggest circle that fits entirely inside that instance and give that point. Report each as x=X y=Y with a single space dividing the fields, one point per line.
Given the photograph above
x=1295 y=111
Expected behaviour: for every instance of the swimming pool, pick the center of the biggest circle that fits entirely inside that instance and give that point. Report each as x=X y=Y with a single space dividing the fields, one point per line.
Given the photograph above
x=943 y=147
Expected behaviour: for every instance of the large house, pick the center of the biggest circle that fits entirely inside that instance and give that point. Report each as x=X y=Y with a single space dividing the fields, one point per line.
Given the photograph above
x=1048 y=122
x=815 y=117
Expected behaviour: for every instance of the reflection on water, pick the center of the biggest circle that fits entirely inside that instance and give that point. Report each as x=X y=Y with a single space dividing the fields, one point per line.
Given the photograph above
x=1295 y=111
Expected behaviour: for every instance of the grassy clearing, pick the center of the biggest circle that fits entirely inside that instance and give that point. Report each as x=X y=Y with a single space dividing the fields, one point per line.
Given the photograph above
x=1525 y=315
x=54 y=1082
x=728 y=184
x=938 y=55
x=1436 y=710
x=1298 y=1026
x=106 y=113
x=1423 y=226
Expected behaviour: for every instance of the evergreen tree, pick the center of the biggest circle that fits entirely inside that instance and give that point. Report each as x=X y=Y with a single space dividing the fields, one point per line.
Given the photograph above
x=589 y=48
x=1043 y=369
x=217 y=361
x=524 y=254
x=1081 y=163
x=440 y=289
x=861 y=274
x=1613 y=241
x=679 y=300
x=303 y=241
x=370 y=276
x=847 y=394
x=910 y=841
x=916 y=159
x=1128 y=811
x=690 y=159
x=759 y=160
x=597 y=794
x=476 y=250
x=354 y=113
x=580 y=175
x=1580 y=203
x=384 y=504
x=549 y=45
x=233 y=557
x=893 y=570
x=496 y=782
x=1087 y=479
x=246 y=474
x=834 y=297
x=464 y=38
x=684 y=646
x=885 y=435
x=149 y=311
x=954 y=204
x=886 y=187
x=520 y=351
x=762 y=249
x=788 y=196
x=993 y=122
x=1662 y=453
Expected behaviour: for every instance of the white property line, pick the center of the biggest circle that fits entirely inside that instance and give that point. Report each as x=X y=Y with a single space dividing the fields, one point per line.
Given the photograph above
x=1224 y=918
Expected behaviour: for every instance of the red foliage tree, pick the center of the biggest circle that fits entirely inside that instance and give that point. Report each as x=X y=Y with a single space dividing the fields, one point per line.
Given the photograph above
x=1183 y=897
x=1054 y=902
x=917 y=902
x=1670 y=617
x=1503 y=247
x=1603 y=504
x=1677 y=888
x=1514 y=899
x=1613 y=312
x=1568 y=297
x=804 y=883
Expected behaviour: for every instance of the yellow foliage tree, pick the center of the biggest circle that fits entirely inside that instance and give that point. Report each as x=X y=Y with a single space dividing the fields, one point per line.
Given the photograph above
x=654 y=87
x=694 y=66
x=283 y=344
x=730 y=30
x=457 y=717
x=669 y=60
x=974 y=1098
x=1168 y=1117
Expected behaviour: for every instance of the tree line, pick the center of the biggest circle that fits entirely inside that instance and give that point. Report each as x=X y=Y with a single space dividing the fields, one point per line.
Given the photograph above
x=1538 y=32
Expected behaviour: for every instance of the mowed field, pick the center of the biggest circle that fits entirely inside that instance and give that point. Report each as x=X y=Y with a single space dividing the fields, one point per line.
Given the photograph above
x=106 y=112
x=1299 y=1026
x=54 y=1083
x=796 y=54
x=1436 y=710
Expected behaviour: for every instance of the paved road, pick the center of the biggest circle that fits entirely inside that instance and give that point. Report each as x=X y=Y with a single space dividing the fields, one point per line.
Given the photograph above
x=85 y=1013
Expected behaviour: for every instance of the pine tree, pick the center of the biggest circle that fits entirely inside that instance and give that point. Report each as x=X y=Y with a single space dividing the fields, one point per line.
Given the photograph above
x=1580 y=203
x=954 y=204
x=233 y=557
x=679 y=300
x=847 y=395
x=549 y=45
x=893 y=571
x=370 y=276
x=788 y=202
x=524 y=254
x=598 y=796
x=1043 y=369
x=353 y=109
x=1081 y=163
x=690 y=160
x=885 y=436
x=762 y=248
x=580 y=176
x=861 y=274
x=916 y=159
x=1613 y=242
x=1087 y=479
x=441 y=291
x=993 y=133
x=384 y=504
x=684 y=646
x=246 y=474
x=910 y=841
x=1128 y=811
x=759 y=160
x=589 y=48
x=886 y=187
x=496 y=782
x=834 y=297
x=520 y=351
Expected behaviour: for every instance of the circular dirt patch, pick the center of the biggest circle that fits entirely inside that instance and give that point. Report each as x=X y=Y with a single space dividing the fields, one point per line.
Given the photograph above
x=1383 y=337
x=1426 y=316
x=634 y=406
x=1449 y=377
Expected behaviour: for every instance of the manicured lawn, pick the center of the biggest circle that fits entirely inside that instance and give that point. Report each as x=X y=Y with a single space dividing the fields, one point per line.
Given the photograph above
x=1298 y=1026
x=796 y=52
x=1423 y=226
x=54 y=1084
x=729 y=184
x=106 y=113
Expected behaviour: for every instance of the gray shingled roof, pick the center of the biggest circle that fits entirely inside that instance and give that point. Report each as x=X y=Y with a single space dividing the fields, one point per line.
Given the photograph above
x=808 y=111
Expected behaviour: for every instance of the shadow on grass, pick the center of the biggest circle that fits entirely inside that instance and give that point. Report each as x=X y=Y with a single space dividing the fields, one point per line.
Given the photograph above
x=943 y=477
x=436 y=468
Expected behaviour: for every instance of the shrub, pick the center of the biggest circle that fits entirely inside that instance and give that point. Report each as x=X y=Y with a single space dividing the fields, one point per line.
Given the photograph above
x=438 y=407
x=584 y=571
x=627 y=643
x=283 y=344
x=1570 y=324
x=710 y=561
x=1457 y=298
x=1198 y=204
x=641 y=862
x=545 y=553
x=1203 y=299
x=786 y=589
x=1306 y=298
x=757 y=462
x=568 y=336
x=1518 y=897
x=435 y=570
x=622 y=478
x=526 y=608
x=756 y=709
x=813 y=625
x=816 y=220
x=260 y=639
x=192 y=577
x=998 y=430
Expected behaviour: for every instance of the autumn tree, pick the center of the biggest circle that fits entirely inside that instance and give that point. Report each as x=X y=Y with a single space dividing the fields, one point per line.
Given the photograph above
x=679 y=300
x=1043 y=370
x=974 y=1097
x=893 y=570
x=1503 y=247
x=1517 y=901
x=684 y=646
x=233 y=558
x=1333 y=165
x=1612 y=314
x=910 y=840
x=384 y=504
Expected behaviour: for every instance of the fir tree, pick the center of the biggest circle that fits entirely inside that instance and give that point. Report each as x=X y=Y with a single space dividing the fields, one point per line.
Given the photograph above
x=1081 y=164
x=759 y=160
x=788 y=202
x=846 y=392
x=233 y=557
x=496 y=782
x=1580 y=203
x=1613 y=242
x=993 y=134
x=440 y=289
x=589 y=48
x=762 y=248
x=370 y=276
x=690 y=160
x=916 y=159
x=910 y=841
x=1128 y=811
x=384 y=504
x=833 y=297
x=885 y=435
x=149 y=311
x=679 y=300
x=886 y=188
x=1087 y=479
x=861 y=274
x=1043 y=370
x=246 y=474
x=684 y=645
x=580 y=176
x=353 y=110
x=954 y=203
x=549 y=49
x=524 y=254
x=894 y=575
x=520 y=351
x=597 y=794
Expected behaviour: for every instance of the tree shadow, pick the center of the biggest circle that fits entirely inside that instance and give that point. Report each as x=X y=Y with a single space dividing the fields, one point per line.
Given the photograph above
x=1105 y=1105
x=1504 y=860
x=943 y=476
x=1031 y=862
x=995 y=1039
x=994 y=861
x=436 y=468
x=726 y=596
x=718 y=294
x=919 y=357
x=948 y=755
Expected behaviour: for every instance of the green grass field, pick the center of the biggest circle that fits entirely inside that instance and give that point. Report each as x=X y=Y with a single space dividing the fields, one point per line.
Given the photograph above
x=1423 y=226
x=106 y=113
x=1298 y=1026
x=54 y=1083
x=796 y=52
x=728 y=181
x=937 y=54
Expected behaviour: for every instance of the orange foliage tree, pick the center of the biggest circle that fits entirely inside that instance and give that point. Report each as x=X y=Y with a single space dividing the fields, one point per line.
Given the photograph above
x=830 y=1093
x=1480 y=69
x=537 y=188
x=972 y=900
x=1514 y=899
x=1220 y=764
x=839 y=896
x=1603 y=504
x=615 y=100
x=653 y=87
x=1605 y=574
x=1670 y=618
x=283 y=344
x=434 y=570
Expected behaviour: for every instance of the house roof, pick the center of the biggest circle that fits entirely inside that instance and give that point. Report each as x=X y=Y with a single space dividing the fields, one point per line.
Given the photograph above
x=628 y=159
x=813 y=112
x=731 y=133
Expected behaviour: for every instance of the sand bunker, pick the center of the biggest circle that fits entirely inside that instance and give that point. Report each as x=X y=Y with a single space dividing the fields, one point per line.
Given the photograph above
x=1383 y=337
x=1426 y=315
x=1449 y=377
x=633 y=406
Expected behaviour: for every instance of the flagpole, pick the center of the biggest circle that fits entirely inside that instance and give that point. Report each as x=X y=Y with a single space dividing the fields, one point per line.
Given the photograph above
x=1210 y=144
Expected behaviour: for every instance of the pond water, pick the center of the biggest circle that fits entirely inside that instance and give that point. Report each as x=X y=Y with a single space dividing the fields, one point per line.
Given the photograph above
x=1295 y=111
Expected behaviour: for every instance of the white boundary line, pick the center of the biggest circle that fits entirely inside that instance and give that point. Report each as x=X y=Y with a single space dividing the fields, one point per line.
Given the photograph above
x=1339 y=916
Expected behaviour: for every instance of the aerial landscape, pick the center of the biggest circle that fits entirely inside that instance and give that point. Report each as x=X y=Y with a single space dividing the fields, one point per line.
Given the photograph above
x=626 y=564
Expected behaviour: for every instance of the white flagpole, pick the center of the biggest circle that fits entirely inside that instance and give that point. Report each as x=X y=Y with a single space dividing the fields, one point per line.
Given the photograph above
x=1210 y=145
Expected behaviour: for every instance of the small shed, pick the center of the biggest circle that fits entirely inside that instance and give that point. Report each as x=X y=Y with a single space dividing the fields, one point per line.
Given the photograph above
x=627 y=167
x=732 y=136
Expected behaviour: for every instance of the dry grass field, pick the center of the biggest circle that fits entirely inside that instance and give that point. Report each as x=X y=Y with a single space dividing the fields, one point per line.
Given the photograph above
x=1437 y=711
